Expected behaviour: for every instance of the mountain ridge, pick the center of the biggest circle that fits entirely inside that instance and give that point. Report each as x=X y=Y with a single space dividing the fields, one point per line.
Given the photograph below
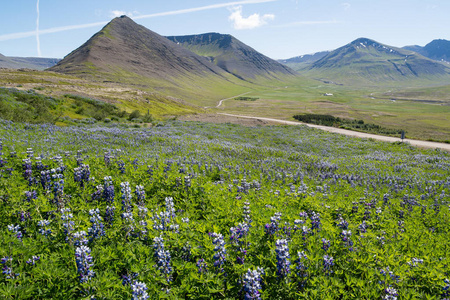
x=232 y=55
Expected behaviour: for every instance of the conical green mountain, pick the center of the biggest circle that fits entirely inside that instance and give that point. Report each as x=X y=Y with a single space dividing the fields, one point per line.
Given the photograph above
x=233 y=56
x=124 y=47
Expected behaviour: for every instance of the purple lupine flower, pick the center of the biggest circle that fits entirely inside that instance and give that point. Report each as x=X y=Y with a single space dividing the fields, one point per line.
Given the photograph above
x=415 y=262
x=126 y=196
x=27 y=170
x=98 y=194
x=238 y=235
x=108 y=190
x=342 y=224
x=139 y=290
x=328 y=262
x=84 y=263
x=66 y=217
x=247 y=213
x=283 y=256
x=362 y=228
x=121 y=166
x=273 y=227
x=82 y=174
x=390 y=294
x=202 y=266
x=43 y=227
x=315 y=221
x=16 y=230
x=140 y=194
x=301 y=268
x=163 y=220
x=220 y=251
x=32 y=261
x=79 y=238
x=97 y=228
x=252 y=284
x=163 y=258
x=30 y=195
x=128 y=222
x=325 y=244
x=107 y=158
x=127 y=279
x=7 y=268
x=58 y=186
x=109 y=215
x=387 y=272
x=446 y=289
x=346 y=238
x=186 y=253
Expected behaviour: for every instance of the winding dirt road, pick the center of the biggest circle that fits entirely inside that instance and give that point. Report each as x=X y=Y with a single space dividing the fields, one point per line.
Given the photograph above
x=417 y=143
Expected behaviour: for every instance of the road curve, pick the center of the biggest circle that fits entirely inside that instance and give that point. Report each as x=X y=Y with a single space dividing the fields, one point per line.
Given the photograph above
x=417 y=143
x=221 y=101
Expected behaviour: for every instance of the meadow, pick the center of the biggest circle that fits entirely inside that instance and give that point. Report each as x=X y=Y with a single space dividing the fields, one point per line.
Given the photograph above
x=207 y=211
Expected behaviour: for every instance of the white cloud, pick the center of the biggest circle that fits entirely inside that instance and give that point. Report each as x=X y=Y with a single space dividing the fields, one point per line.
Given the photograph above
x=252 y=21
x=346 y=5
x=118 y=13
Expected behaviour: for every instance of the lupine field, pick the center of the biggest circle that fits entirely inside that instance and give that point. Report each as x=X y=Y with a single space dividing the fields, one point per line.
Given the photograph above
x=203 y=211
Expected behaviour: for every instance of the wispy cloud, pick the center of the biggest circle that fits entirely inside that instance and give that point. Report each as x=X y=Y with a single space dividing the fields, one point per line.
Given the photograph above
x=118 y=13
x=20 y=35
x=305 y=23
x=346 y=5
x=38 y=41
x=252 y=21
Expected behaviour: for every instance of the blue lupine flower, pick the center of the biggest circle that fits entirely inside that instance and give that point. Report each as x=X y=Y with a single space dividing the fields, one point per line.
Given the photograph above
x=79 y=238
x=108 y=189
x=139 y=291
x=140 y=194
x=84 y=263
x=16 y=230
x=315 y=221
x=446 y=289
x=68 y=224
x=247 y=213
x=30 y=195
x=126 y=197
x=163 y=220
x=362 y=228
x=121 y=166
x=342 y=224
x=273 y=227
x=346 y=238
x=97 y=228
x=32 y=261
x=325 y=244
x=390 y=294
x=238 y=235
x=283 y=256
x=109 y=215
x=328 y=262
x=202 y=266
x=163 y=258
x=220 y=251
x=7 y=268
x=43 y=230
x=82 y=174
x=127 y=279
x=252 y=283
x=301 y=268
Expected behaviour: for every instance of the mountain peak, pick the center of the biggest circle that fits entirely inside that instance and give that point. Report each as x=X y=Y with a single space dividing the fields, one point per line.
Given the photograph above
x=232 y=55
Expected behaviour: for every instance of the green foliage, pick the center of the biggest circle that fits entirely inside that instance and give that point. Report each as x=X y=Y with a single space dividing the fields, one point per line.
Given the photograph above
x=211 y=171
x=243 y=98
x=359 y=125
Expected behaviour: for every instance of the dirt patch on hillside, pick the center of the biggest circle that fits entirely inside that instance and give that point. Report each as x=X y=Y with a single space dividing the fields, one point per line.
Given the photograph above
x=221 y=119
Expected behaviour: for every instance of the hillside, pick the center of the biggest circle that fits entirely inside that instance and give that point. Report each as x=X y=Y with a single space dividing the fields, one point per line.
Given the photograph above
x=370 y=61
x=233 y=56
x=36 y=63
x=436 y=50
x=124 y=48
x=303 y=61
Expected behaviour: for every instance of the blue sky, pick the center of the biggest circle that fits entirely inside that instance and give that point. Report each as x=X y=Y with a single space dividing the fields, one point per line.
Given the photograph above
x=277 y=28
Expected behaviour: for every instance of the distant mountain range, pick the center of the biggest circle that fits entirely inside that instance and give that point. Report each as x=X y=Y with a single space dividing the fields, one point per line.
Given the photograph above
x=232 y=55
x=437 y=50
x=303 y=61
x=368 y=60
x=37 y=63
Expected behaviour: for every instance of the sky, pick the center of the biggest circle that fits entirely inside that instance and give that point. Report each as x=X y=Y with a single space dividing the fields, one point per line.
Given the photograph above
x=277 y=28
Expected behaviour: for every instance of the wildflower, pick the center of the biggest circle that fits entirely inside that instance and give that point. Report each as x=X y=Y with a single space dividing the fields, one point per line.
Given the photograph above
x=126 y=196
x=84 y=263
x=301 y=268
x=79 y=238
x=202 y=266
x=315 y=221
x=163 y=258
x=139 y=290
x=7 y=268
x=97 y=229
x=326 y=244
x=43 y=230
x=346 y=238
x=66 y=217
x=390 y=294
x=220 y=251
x=121 y=166
x=342 y=224
x=140 y=194
x=328 y=262
x=252 y=283
x=273 y=227
x=282 y=253
x=109 y=215
x=108 y=189
x=32 y=261
x=237 y=239
x=82 y=174
x=16 y=230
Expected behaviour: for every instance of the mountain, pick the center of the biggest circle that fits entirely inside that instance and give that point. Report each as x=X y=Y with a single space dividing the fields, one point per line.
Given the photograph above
x=436 y=49
x=124 y=49
x=232 y=55
x=368 y=60
x=303 y=61
x=37 y=63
